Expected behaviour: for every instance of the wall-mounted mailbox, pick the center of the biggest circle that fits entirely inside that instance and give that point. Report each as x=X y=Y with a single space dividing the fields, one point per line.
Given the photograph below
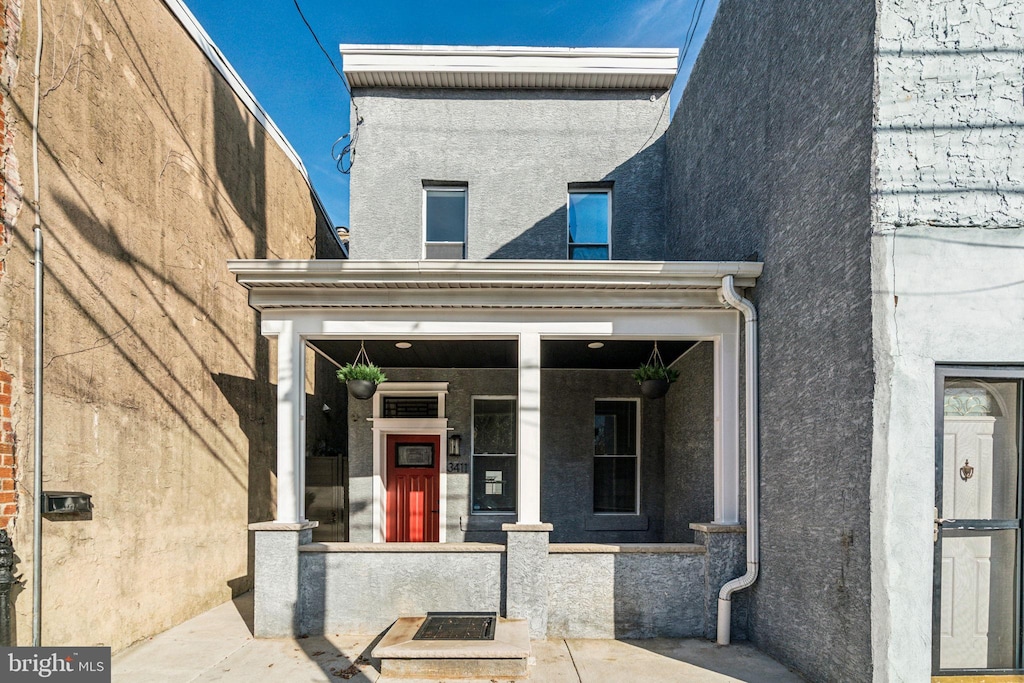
x=66 y=502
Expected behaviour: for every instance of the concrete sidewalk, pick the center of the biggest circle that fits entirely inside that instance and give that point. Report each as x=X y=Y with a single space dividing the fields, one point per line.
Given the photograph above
x=218 y=646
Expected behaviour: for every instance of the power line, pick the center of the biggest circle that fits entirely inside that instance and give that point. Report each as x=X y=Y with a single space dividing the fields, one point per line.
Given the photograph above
x=348 y=150
x=691 y=32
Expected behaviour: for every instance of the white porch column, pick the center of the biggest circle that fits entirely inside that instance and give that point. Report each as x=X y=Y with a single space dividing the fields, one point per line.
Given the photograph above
x=727 y=429
x=291 y=425
x=528 y=484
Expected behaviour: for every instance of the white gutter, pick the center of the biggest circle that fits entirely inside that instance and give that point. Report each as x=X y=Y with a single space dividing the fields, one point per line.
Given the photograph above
x=751 y=398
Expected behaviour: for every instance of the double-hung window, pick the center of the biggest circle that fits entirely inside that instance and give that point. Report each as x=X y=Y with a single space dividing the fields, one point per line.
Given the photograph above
x=494 y=454
x=444 y=220
x=590 y=220
x=617 y=456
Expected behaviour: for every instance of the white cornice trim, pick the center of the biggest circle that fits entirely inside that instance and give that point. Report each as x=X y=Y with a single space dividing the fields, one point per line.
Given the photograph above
x=488 y=284
x=461 y=66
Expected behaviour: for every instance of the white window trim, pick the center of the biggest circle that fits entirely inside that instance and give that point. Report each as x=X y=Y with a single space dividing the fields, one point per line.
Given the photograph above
x=639 y=450
x=473 y=455
x=464 y=189
x=568 y=243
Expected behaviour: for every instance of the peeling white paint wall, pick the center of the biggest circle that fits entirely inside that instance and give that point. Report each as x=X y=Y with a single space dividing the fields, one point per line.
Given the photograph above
x=947 y=271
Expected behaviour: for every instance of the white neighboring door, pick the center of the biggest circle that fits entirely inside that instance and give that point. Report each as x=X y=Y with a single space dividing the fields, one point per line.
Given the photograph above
x=966 y=560
x=977 y=610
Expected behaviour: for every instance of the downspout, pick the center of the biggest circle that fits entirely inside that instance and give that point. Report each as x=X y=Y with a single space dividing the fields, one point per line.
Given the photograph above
x=37 y=427
x=751 y=399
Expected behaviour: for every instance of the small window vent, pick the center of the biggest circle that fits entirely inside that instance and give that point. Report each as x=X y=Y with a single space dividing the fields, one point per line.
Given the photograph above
x=410 y=406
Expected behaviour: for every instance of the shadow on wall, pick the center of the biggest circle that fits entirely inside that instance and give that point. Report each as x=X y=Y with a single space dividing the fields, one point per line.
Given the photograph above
x=129 y=274
x=638 y=215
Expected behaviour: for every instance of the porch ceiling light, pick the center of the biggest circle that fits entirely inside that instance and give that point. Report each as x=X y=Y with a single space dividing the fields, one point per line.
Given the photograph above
x=403 y=345
x=595 y=345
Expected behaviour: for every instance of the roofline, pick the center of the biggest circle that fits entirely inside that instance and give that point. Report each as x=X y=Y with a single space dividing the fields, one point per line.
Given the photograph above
x=507 y=50
x=577 y=271
x=213 y=54
x=495 y=66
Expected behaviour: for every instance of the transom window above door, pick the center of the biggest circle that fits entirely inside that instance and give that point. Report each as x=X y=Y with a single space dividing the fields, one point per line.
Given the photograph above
x=590 y=213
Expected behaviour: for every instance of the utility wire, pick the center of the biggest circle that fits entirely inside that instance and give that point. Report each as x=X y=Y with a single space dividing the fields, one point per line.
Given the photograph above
x=691 y=32
x=346 y=157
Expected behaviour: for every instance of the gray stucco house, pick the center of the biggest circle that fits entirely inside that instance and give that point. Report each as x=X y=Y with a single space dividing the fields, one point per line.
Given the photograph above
x=824 y=243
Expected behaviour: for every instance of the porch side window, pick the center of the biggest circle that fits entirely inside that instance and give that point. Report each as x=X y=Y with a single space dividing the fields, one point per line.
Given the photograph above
x=494 y=455
x=444 y=212
x=616 y=456
x=590 y=214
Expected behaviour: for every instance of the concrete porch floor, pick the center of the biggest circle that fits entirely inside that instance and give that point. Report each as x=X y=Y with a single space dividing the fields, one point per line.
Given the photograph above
x=218 y=646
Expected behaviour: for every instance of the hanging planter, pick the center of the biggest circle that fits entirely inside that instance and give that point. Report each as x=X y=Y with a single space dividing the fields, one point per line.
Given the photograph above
x=654 y=377
x=361 y=376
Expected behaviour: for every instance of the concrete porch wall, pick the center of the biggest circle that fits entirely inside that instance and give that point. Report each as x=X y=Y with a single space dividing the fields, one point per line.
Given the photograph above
x=364 y=587
x=598 y=591
x=593 y=590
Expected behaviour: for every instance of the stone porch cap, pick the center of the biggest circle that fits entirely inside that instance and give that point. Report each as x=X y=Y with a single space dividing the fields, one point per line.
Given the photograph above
x=491 y=67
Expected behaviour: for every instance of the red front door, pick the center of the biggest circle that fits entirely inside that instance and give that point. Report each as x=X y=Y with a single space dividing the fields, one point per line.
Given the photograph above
x=413 y=492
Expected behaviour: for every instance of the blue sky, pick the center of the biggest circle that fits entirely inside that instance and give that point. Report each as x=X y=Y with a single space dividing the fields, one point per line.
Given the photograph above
x=270 y=47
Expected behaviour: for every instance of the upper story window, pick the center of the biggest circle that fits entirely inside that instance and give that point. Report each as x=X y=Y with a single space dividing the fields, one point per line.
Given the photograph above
x=590 y=220
x=444 y=220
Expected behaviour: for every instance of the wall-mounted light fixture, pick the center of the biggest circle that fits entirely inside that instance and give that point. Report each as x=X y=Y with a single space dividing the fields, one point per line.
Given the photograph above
x=454 y=446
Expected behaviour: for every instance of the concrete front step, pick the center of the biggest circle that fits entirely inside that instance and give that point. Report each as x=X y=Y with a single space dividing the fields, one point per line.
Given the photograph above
x=507 y=656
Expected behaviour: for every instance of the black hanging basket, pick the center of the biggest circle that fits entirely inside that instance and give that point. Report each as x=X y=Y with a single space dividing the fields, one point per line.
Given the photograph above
x=359 y=387
x=654 y=388
x=363 y=389
x=654 y=377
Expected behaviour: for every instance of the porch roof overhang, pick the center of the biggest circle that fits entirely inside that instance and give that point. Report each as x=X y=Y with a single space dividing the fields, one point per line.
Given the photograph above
x=623 y=285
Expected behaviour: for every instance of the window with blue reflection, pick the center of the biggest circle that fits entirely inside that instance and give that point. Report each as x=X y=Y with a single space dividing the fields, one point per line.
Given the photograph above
x=445 y=223
x=589 y=225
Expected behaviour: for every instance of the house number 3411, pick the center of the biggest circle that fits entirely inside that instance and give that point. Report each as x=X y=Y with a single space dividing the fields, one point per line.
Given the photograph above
x=458 y=467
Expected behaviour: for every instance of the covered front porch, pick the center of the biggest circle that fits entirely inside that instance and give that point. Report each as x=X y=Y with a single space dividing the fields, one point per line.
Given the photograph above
x=568 y=499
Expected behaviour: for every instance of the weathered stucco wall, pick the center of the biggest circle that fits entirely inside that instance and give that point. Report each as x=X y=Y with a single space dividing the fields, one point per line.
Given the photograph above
x=769 y=156
x=158 y=394
x=948 y=234
x=518 y=150
x=567 y=453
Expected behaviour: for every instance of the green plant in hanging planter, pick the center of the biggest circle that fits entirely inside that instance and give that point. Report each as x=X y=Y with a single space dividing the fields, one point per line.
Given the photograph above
x=655 y=371
x=367 y=372
x=654 y=377
x=361 y=376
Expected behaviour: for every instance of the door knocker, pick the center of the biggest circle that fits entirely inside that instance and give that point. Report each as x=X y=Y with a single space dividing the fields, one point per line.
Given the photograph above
x=966 y=472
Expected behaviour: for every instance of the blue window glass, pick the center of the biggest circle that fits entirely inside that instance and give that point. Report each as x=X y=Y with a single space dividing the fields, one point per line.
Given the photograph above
x=589 y=217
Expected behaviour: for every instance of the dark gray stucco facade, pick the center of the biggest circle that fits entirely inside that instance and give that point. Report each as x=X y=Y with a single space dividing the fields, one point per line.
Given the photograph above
x=567 y=457
x=769 y=158
x=517 y=151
